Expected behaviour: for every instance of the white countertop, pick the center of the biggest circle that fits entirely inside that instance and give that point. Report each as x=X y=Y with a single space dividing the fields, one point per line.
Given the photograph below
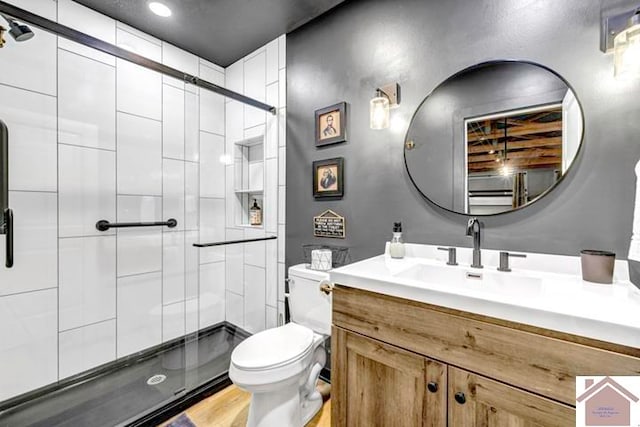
x=558 y=301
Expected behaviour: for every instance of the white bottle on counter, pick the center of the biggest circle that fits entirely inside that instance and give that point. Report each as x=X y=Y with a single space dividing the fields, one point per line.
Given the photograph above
x=396 y=246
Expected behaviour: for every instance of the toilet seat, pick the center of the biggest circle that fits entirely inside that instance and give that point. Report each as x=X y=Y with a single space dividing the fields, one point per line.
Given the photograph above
x=273 y=348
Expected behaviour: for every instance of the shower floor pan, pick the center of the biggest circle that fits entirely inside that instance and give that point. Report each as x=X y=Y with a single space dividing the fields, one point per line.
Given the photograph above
x=138 y=390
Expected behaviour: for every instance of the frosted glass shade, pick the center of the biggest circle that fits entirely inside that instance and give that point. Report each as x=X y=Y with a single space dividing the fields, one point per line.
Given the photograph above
x=379 y=112
x=626 y=48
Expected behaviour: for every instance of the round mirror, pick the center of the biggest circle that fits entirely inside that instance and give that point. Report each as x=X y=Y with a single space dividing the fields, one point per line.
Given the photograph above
x=494 y=137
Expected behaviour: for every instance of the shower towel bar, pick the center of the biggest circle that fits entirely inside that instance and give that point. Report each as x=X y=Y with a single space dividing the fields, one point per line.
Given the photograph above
x=232 y=242
x=104 y=225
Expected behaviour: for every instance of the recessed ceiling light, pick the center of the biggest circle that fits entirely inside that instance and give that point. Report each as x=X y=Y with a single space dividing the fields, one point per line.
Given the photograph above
x=160 y=9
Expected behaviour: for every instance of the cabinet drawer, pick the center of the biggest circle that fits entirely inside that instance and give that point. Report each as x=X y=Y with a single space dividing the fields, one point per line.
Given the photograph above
x=533 y=361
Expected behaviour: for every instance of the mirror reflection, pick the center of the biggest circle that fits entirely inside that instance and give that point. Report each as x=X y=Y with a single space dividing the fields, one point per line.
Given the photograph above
x=494 y=137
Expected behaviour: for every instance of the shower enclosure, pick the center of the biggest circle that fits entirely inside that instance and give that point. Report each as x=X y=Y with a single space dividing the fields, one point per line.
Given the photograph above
x=126 y=277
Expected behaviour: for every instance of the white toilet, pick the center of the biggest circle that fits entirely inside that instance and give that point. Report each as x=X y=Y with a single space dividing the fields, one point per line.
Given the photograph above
x=280 y=366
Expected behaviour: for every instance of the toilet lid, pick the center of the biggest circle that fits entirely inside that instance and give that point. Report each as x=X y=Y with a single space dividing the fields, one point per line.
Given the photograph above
x=273 y=347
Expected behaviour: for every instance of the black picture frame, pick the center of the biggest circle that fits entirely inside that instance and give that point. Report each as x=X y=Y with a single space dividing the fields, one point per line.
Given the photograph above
x=323 y=136
x=328 y=189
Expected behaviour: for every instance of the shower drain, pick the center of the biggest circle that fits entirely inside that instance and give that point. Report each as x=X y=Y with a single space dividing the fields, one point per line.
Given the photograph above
x=156 y=379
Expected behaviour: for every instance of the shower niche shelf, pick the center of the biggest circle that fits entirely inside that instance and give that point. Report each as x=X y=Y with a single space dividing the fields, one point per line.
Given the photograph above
x=248 y=160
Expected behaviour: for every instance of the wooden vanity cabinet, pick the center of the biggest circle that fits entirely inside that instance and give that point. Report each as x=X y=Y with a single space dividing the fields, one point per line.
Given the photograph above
x=382 y=385
x=397 y=362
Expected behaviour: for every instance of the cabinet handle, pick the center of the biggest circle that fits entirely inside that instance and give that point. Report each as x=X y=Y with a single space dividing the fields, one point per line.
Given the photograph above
x=460 y=398
x=432 y=387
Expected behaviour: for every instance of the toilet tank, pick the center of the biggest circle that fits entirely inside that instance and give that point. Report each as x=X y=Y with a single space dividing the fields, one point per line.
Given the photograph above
x=308 y=306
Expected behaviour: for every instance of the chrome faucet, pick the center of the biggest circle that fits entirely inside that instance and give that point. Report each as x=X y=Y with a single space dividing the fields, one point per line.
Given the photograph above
x=473 y=229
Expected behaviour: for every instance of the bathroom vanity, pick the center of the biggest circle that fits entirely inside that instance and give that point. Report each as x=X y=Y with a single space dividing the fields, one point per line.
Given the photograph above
x=416 y=342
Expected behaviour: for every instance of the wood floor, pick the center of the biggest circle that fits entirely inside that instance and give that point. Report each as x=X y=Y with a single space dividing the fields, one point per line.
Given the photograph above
x=230 y=407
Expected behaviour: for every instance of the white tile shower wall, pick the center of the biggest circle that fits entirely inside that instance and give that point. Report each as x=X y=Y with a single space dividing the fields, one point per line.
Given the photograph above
x=91 y=138
x=255 y=271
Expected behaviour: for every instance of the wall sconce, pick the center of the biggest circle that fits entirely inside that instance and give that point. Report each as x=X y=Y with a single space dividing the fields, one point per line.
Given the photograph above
x=386 y=97
x=621 y=35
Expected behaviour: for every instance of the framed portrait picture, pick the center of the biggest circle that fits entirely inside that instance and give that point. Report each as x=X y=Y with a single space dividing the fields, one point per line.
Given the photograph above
x=331 y=124
x=328 y=178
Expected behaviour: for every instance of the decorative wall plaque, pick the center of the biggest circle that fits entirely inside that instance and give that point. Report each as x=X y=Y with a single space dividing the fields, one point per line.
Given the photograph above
x=329 y=224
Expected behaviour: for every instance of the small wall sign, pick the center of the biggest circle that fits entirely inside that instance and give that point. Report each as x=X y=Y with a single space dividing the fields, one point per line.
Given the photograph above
x=329 y=224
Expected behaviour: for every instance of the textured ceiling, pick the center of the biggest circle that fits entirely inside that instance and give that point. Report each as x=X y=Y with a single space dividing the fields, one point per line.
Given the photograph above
x=221 y=31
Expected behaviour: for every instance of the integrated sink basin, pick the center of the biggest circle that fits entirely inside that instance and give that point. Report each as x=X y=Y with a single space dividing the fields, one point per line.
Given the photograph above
x=472 y=280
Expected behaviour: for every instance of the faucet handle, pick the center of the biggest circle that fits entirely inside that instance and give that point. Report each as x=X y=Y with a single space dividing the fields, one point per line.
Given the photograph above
x=452 y=255
x=504 y=260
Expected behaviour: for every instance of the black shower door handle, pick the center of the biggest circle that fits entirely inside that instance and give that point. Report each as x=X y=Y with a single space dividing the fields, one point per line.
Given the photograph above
x=8 y=230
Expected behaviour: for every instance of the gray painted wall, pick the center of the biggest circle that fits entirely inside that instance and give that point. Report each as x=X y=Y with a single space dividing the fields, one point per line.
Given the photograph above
x=346 y=53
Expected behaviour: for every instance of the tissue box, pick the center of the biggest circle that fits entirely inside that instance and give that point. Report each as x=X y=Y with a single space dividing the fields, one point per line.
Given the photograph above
x=321 y=259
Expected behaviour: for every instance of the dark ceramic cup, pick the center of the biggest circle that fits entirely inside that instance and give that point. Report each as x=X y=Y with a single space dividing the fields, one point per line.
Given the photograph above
x=597 y=266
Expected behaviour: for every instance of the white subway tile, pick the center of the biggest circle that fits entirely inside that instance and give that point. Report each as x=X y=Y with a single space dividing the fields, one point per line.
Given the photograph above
x=212 y=223
x=31 y=65
x=173 y=317
x=35 y=244
x=173 y=191
x=45 y=8
x=282 y=127
x=271 y=317
x=192 y=195
x=139 y=251
x=90 y=22
x=281 y=280
x=271 y=136
x=211 y=74
x=179 y=59
x=139 y=208
x=281 y=243
x=191 y=316
x=32 y=123
x=87 y=280
x=86 y=102
x=254 y=252
x=234 y=76
x=282 y=166
x=283 y=88
x=254 y=85
x=191 y=127
x=235 y=263
x=282 y=51
x=272 y=61
x=254 y=299
x=282 y=204
x=173 y=273
x=139 y=90
x=212 y=172
x=139 y=155
x=234 y=127
x=192 y=264
x=87 y=347
x=271 y=196
x=212 y=112
x=234 y=309
x=139 y=312
x=87 y=189
x=173 y=122
x=29 y=345
x=271 y=252
x=212 y=294
x=282 y=316
x=138 y=42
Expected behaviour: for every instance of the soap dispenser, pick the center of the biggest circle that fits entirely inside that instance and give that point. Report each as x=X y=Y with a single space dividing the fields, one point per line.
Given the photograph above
x=396 y=246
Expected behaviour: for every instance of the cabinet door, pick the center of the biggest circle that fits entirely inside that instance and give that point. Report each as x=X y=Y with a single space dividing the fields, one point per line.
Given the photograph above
x=376 y=384
x=478 y=401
